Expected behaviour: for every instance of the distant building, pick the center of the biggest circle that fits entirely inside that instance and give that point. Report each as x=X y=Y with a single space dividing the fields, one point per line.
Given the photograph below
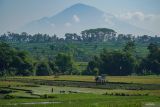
x=100 y=79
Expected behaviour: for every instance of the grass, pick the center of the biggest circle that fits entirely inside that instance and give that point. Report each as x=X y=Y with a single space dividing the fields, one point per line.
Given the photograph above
x=124 y=79
x=87 y=100
x=11 y=83
x=86 y=97
x=135 y=79
x=56 y=90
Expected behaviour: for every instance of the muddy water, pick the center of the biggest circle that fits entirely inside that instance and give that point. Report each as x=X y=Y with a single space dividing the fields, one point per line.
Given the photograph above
x=32 y=103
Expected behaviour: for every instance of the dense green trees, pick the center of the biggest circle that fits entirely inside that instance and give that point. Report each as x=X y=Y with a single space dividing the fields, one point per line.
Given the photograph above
x=64 y=63
x=99 y=34
x=43 y=69
x=25 y=37
x=23 y=64
x=119 y=62
x=93 y=66
x=125 y=62
x=116 y=63
x=151 y=64
x=113 y=63
x=13 y=62
x=82 y=46
x=56 y=55
x=129 y=47
x=90 y=35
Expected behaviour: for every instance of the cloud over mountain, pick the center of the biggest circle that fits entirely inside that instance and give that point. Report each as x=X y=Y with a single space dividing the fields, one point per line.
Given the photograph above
x=76 y=18
x=80 y=17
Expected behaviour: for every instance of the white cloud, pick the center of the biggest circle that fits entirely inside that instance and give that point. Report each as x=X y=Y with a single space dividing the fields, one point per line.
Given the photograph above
x=52 y=24
x=150 y=22
x=108 y=20
x=68 y=24
x=131 y=15
x=138 y=16
x=76 y=18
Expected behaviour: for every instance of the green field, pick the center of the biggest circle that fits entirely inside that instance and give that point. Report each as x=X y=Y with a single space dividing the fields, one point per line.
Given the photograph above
x=37 y=91
x=125 y=79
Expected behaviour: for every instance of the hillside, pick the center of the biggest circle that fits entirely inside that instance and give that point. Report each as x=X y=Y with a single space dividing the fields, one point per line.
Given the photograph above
x=77 y=18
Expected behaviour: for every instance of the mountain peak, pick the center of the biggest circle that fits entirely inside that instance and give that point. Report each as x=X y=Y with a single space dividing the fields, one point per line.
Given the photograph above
x=77 y=18
x=80 y=5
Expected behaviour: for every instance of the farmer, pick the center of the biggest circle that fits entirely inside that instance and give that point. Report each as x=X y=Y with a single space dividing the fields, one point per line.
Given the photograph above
x=52 y=90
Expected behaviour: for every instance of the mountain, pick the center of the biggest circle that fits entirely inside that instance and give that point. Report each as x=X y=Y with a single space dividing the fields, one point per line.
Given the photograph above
x=77 y=18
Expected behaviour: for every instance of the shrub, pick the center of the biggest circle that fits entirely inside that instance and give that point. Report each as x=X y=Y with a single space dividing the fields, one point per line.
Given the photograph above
x=5 y=91
x=47 y=96
x=9 y=96
x=43 y=69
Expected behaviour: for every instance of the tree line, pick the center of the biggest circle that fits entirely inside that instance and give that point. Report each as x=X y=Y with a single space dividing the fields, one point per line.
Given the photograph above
x=90 y=35
x=16 y=62
x=125 y=62
x=119 y=62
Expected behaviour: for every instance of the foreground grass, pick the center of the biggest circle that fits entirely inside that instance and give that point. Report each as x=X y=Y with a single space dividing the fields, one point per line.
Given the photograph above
x=85 y=100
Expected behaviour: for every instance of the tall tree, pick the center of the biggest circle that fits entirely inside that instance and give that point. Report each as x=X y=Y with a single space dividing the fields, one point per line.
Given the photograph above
x=151 y=64
x=14 y=62
x=64 y=63
x=43 y=69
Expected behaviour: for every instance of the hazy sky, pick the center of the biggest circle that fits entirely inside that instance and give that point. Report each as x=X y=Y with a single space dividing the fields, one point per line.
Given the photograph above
x=142 y=13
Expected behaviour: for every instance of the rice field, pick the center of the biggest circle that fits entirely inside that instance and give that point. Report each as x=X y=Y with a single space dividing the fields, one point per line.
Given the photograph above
x=124 y=79
x=30 y=94
x=85 y=100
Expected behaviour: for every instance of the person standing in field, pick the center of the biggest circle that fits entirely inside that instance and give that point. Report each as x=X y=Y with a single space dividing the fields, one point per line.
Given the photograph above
x=52 y=90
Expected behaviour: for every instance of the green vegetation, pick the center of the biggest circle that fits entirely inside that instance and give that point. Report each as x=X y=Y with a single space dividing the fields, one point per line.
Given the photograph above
x=122 y=79
x=51 y=72
x=43 y=69
x=119 y=62
x=125 y=62
x=64 y=63
x=83 y=47
x=151 y=63
x=87 y=100
x=23 y=94
x=13 y=62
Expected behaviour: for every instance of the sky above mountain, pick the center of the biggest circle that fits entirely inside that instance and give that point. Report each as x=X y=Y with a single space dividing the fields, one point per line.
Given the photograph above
x=144 y=14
